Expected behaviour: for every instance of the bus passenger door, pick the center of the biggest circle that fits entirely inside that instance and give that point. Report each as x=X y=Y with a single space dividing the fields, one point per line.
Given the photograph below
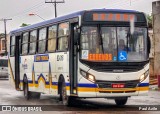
x=73 y=60
x=17 y=62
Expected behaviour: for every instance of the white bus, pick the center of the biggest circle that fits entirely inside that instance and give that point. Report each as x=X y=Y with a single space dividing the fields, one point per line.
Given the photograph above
x=87 y=54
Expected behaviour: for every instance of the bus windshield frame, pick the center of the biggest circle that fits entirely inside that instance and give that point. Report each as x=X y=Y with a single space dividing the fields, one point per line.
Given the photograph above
x=107 y=43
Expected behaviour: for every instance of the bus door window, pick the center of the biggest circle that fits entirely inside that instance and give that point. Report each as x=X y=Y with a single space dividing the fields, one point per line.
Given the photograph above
x=12 y=46
x=63 y=32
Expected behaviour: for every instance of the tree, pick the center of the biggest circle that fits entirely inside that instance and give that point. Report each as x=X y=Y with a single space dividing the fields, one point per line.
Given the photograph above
x=150 y=21
x=24 y=24
x=1 y=35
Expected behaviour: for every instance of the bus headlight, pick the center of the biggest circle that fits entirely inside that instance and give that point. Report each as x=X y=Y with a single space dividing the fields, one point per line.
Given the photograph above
x=88 y=76
x=91 y=78
x=144 y=76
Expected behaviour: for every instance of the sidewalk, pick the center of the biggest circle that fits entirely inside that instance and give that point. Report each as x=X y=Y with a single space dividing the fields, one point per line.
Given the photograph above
x=154 y=87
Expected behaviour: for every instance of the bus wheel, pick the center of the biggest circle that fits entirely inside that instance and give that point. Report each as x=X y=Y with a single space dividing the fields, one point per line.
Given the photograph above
x=121 y=101
x=25 y=90
x=30 y=95
x=66 y=100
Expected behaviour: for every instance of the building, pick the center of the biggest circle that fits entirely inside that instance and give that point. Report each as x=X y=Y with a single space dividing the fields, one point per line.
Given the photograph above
x=155 y=57
x=2 y=44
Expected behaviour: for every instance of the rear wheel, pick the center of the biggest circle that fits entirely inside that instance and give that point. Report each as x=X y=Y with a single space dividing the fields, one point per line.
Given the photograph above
x=28 y=94
x=121 y=101
x=25 y=90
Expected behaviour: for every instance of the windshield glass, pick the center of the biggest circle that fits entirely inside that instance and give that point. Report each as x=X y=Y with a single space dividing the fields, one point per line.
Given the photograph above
x=112 y=44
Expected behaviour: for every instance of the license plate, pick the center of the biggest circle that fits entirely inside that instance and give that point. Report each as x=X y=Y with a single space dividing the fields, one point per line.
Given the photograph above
x=118 y=85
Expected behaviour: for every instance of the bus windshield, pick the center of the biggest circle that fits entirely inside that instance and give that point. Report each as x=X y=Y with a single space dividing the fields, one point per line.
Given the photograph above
x=113 y=44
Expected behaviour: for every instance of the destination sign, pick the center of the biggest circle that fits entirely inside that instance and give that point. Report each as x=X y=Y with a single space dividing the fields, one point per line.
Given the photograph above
x=41 y=58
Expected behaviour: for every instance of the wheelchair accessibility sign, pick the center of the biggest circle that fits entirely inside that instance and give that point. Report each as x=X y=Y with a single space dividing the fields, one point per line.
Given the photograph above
x=122 y=56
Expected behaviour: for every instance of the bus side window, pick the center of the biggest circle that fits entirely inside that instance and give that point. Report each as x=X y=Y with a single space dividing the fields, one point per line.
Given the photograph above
x=63 y=32
x=33 y=42
x=42 y=40
x=12 y=45
x=25 y=43
x=52 y=32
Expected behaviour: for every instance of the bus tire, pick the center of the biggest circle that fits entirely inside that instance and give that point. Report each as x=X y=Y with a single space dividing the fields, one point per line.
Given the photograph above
x=121 y=101
x=66 y=100
x=25 y=90
x=28 y=94
x=34 y=95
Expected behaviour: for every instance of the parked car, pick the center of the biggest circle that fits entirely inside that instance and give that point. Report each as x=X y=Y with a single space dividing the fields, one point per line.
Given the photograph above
x=4 y=67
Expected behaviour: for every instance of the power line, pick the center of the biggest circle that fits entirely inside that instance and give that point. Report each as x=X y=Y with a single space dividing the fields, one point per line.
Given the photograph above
x=27 y=10
x=55 y=5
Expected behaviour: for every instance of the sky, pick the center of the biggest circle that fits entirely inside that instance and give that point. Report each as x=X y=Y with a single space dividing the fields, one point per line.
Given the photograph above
x=19 y=10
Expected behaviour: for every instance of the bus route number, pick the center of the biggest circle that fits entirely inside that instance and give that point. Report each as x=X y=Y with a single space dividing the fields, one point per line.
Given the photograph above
x=60 y=57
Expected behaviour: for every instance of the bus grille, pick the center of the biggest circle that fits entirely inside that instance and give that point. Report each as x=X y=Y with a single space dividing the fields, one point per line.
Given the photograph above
x=108 y=84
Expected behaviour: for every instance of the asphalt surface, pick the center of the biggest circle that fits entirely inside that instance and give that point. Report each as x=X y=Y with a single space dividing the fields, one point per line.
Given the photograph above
x=9 y=96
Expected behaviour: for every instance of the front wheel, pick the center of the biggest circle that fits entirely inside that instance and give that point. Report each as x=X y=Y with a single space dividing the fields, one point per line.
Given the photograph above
x=66 y=100
x=121 y=101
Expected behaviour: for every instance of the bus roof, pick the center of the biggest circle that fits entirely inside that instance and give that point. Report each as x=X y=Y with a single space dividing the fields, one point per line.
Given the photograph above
x=65 y=17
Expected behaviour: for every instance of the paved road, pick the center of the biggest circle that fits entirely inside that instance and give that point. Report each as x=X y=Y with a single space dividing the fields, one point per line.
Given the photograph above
x=9 y=96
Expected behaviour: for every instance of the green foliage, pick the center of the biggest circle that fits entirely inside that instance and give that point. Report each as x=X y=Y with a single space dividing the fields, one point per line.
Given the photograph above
x=1 y=35
x=24 y=24
x=150 y=21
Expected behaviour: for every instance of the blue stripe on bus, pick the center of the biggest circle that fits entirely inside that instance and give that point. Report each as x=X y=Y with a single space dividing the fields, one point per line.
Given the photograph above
x=87 y=85
x=54 y=83
x=68 y=84
x=47 y=83
x=84 y=85
x=143 y=84
x=30 y=81
x=41 y=75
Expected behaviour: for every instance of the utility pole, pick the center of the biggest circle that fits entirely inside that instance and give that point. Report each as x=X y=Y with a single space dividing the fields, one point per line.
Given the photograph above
x=55 y=5
x=5 y=33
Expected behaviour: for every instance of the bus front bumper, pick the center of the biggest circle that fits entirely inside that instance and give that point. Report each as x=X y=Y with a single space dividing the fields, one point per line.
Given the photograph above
x=110 y=92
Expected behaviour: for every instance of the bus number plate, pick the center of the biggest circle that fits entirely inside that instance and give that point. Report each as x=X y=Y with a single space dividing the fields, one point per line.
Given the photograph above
x=118 y=85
